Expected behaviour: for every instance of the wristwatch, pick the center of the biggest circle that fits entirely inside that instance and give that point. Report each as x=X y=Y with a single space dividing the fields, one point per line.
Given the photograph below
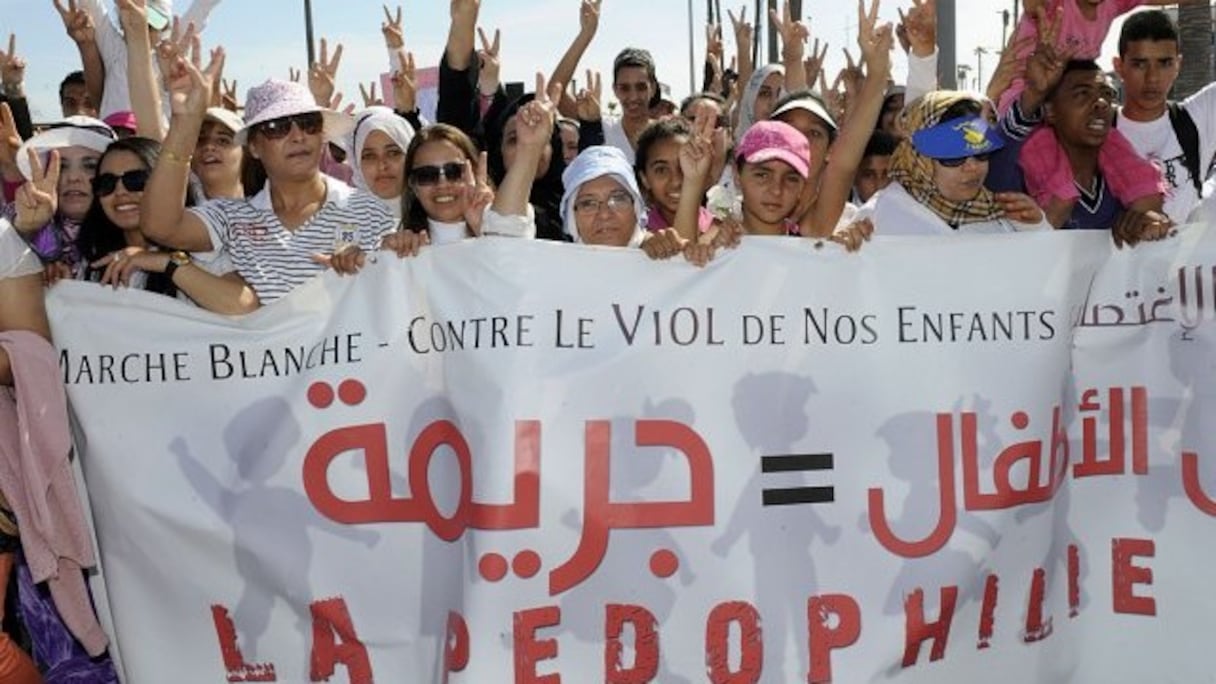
x=176 y=260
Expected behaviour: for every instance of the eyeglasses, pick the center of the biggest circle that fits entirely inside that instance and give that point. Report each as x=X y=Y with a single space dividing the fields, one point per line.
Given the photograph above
x=959 y=161
x=422 y=176
x=590 y=206
x=134 y=181
x=276 y=129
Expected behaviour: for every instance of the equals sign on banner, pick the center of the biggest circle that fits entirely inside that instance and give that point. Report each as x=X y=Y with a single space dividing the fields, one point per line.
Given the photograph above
x=799 y=463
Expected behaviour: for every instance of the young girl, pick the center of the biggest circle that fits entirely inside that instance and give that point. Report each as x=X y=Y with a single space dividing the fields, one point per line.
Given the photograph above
x=772 y=163
x=378 y=144
x=1077 y=28
x=660 y=176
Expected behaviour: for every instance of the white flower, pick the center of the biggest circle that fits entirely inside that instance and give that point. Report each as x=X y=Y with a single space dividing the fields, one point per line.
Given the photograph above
x=724 y=203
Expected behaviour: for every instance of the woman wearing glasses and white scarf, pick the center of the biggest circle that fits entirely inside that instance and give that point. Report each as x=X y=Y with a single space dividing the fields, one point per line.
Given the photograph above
x=301 y=223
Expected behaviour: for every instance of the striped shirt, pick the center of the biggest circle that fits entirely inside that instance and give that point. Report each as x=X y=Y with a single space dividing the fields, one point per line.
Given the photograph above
x=273 y=259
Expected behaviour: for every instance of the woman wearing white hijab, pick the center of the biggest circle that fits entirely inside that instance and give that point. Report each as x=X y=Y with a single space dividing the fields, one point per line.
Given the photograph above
x=379 y=142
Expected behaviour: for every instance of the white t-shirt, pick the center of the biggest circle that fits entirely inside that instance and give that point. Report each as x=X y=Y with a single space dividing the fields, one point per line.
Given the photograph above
x=1156 y=141
x=492 y=223
x=273 y=259
x=113 y=49
x=894 y=212
x=17 y=259
x=614 y=135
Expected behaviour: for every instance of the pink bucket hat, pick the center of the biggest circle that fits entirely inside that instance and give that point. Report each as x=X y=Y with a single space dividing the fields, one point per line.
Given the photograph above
x=769 y=140
x=276 y=99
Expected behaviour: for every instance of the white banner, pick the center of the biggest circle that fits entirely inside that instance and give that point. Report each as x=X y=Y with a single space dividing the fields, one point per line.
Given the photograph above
x=966 y=459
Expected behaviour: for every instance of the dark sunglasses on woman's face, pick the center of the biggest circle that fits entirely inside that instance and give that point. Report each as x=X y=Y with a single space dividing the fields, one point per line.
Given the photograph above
x=959 y=161
x=105 y=184
x=275 y=129
x=429 y=175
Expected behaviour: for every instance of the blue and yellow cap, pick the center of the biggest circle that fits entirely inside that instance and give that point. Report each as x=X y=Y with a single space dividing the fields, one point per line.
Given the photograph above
x=957 y=138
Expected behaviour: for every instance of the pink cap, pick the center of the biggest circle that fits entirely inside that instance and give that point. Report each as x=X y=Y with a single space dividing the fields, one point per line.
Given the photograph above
x=769 y=140
x=122 y=120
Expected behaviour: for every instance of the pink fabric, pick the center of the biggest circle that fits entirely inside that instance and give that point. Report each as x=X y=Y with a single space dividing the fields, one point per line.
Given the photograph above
x=656 y=222
x=1084 y=36
x=10 y=189
x=36 y=478
x=1048 y=173
x=336 y=169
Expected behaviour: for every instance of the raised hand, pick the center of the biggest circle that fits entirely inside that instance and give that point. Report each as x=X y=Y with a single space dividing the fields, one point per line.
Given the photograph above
x=465 y=11
x=697 y=155
x=369 y=96
x=12 y=67
x=405 y=83
x=10 y=143
x=488 y=76
x=133 y=15
x=793 y=33
x=875 y=41
x=588 y=101
x=394 y=37
x=77 y=22
x=919 y=28
x=228 y=99
x=713 y=42
x=189 y=88
x=180 y=43
x=813 y=64
x=743 y=28
x=38 y=199
x=1009 y=67
x=589 y=17
x=536 y=119
x=293 y=74
x=1045 y=66
x=477 y=192
x=324 y=74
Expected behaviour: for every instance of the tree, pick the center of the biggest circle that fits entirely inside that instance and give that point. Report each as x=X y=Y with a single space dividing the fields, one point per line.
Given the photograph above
x=1195 y=28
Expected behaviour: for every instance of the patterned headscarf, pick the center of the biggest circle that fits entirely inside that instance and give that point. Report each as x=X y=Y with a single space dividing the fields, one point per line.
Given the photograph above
x=914 y=171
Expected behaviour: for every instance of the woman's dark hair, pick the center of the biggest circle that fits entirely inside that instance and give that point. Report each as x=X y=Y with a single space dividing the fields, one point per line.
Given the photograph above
x=695 y=97
x=413 y=216
x=546 y=195
x=98 y=234
x=655 y=133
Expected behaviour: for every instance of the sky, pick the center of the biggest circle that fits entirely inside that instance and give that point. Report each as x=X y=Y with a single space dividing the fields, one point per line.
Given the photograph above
x=264 y=38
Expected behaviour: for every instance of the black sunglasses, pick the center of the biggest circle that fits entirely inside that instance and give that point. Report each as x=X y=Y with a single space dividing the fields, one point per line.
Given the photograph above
x=959 y=161
x=275 y=129
x=106 y=183
x=429 y=175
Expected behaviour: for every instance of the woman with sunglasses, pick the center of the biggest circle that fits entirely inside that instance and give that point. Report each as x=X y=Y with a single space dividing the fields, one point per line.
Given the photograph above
x=448 y=195
x=937 y=175
x=299 y=224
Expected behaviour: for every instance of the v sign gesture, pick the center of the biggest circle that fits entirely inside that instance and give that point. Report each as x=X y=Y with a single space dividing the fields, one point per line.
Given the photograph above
x=38 y=199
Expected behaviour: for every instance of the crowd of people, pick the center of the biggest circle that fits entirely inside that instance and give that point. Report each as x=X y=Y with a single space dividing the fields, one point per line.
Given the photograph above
x=158 y=178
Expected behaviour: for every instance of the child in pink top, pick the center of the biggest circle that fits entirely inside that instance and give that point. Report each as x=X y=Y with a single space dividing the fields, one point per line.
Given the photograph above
x=1083 y=27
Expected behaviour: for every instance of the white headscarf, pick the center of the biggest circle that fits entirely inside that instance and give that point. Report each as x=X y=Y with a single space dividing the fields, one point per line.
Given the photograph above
x=747 y=102
x=595 y=162
x=383 y=119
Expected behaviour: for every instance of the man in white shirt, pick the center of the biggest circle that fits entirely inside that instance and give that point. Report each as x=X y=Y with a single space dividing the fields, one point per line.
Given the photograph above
x=1180 y=137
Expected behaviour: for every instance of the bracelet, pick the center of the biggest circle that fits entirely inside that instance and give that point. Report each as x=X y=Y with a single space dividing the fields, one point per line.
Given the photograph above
x=172 y=156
